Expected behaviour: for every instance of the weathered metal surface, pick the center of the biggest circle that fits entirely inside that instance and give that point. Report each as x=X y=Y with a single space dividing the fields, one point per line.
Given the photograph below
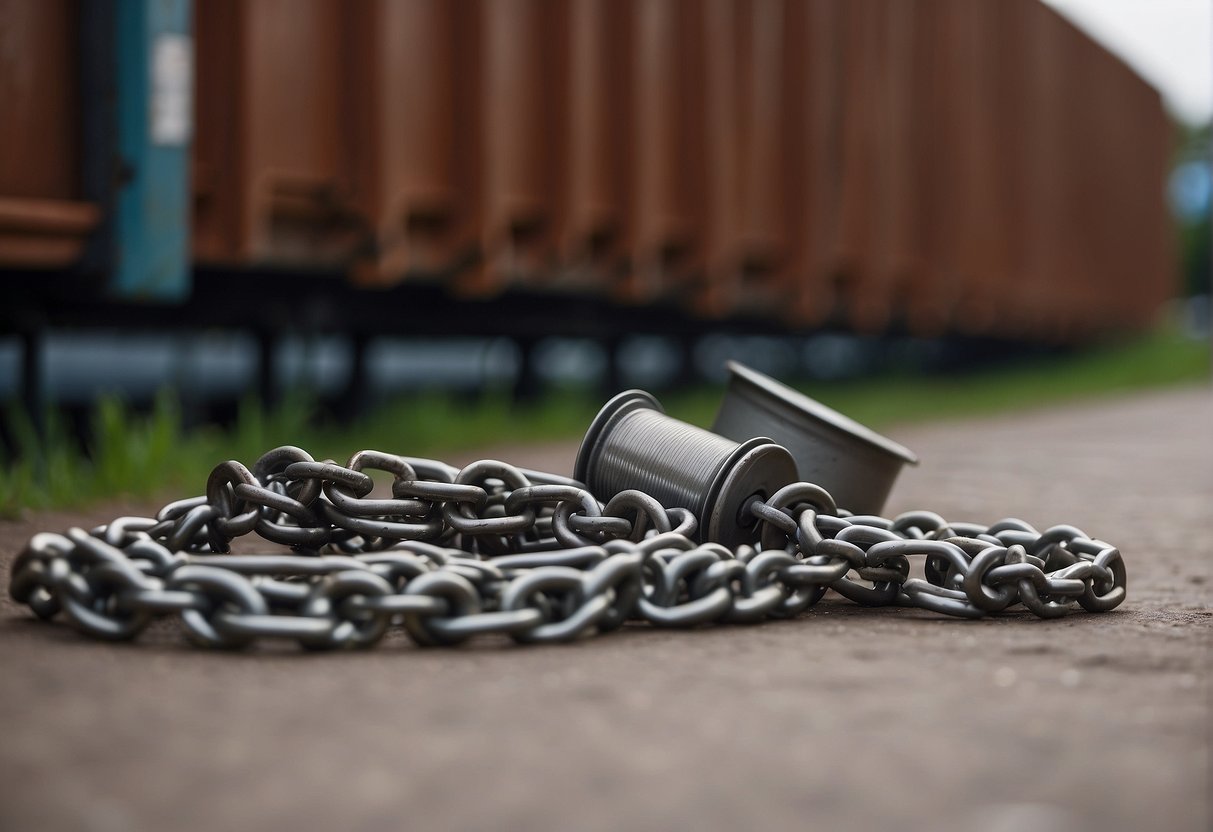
x=809 y=169
x=592 y=228
x=44 y=233
x=40 y=142
x=522 y=139
x=272 y=157
x=406 y=170
x=44 y=219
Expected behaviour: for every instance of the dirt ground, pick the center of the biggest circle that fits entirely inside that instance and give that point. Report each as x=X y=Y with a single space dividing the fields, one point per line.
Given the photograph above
x=844 y=718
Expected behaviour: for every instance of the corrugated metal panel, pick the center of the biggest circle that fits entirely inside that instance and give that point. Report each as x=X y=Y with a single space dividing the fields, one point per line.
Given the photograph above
x=661 y=232
x=809 y=164
x=761 y=118
x=932 y=293
x=862 y=116
x=920 y=287
x=879 y=156
x=598 y=155
x=1097 y=275
x=43 y=218
x=971 y=240
x=522 y=132
x=39 y=86
x=272 y=176
x=711 y=97
x=404 y=119
x=898 y=255
x=1044 y=174
x=1078 y=262
x=986 y=297
x=1014 y=121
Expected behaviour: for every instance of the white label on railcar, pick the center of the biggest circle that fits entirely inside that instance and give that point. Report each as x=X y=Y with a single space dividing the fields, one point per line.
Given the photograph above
x=172 y=89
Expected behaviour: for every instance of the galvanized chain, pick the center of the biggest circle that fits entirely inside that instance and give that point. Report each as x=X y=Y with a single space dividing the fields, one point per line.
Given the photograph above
x=492 y=548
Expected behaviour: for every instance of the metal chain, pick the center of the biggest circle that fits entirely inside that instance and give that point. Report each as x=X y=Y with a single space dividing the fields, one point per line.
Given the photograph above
x=491 y=548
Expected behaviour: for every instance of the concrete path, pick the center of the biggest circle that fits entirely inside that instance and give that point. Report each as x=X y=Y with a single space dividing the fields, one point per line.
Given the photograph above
x=844 y=718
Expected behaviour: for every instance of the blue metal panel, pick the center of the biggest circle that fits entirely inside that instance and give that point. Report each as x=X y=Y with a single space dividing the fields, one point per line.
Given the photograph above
x=153 y=56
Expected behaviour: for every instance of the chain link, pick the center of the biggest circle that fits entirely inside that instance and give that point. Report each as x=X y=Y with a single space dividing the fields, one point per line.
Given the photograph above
x=494 y=549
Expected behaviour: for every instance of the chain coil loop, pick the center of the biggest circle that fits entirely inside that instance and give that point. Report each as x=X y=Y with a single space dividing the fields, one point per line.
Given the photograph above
x=492 y=549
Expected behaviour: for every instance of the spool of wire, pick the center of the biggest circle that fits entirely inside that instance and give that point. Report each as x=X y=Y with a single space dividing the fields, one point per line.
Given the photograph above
x=633 y=444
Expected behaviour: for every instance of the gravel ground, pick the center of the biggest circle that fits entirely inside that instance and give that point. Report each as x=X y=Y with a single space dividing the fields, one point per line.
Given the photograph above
x=843 y=718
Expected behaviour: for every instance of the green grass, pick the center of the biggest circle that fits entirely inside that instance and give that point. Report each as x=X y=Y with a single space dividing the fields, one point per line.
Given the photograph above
x=1159 y=360
x=152 y=455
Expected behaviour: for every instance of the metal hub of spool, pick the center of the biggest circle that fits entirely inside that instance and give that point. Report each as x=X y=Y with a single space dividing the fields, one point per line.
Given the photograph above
x=855 y=464
x=632 y=444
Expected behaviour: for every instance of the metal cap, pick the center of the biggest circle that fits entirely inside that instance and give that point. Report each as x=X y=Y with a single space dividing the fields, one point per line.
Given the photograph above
x=854 y=463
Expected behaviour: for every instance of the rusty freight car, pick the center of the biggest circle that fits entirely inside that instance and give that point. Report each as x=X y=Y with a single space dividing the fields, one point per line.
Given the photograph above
x=935 y=167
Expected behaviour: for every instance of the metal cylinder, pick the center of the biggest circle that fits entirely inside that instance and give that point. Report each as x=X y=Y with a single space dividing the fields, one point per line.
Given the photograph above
x=855 y=464
x=632 y=444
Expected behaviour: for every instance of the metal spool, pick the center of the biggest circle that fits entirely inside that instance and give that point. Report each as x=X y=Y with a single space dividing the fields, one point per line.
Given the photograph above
x=632 y=444
x=855 y=464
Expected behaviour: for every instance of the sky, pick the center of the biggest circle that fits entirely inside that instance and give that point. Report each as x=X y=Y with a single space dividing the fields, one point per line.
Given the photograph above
x=1168 y=42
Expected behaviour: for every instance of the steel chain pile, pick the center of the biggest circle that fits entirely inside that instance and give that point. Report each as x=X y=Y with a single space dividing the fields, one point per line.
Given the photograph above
x=492 y=548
